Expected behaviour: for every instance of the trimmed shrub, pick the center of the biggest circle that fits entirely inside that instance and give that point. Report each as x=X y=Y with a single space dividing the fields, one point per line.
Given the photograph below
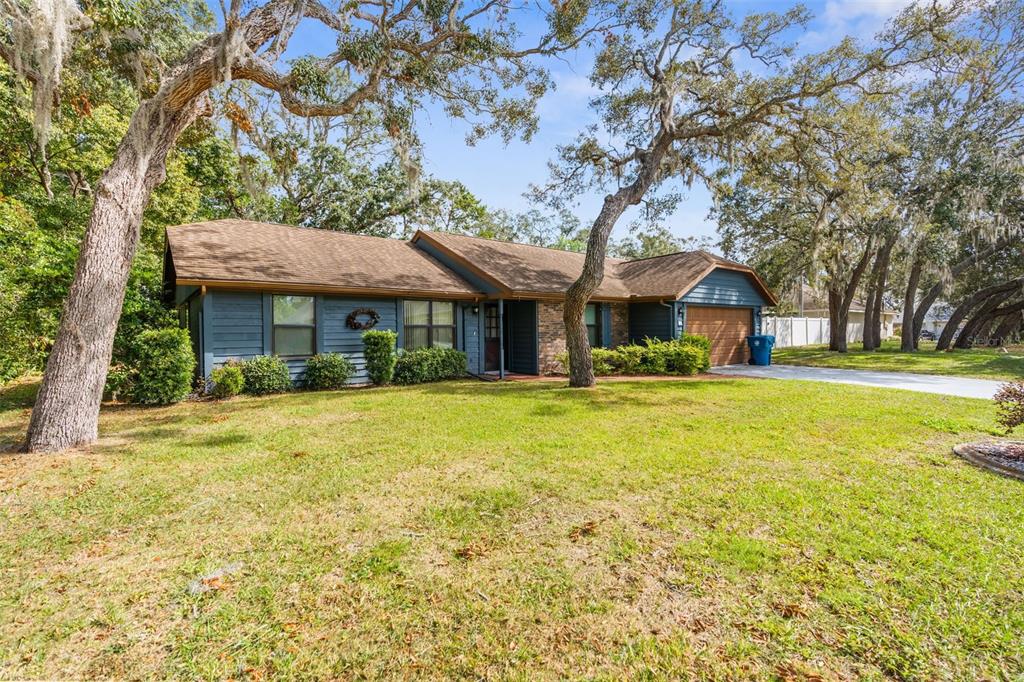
x=379 y=352
x=328 y=371
x=120 y=380
x=429 y=364
x=1010 y=405
x=703 y=346
x=687 y=356
x=265 y=374
x=228 y=380
x=163 y=365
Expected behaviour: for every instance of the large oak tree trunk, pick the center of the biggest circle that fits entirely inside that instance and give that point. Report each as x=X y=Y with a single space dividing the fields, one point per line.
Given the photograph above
x=974 y=330
x=875 y=299
x=908 y=339
x=840 y=300
x=66 y=413
x=932 y=295
x=581 y=365
x=962 y=310
x=1008 y=326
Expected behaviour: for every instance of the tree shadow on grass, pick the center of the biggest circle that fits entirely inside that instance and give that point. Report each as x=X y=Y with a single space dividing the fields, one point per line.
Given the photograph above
x=557 y=398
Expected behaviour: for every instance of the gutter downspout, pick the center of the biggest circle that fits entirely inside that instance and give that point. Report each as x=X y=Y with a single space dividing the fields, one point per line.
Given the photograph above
x=672 y=326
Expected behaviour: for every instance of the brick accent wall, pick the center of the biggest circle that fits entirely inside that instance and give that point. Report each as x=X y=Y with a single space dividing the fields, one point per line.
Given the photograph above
x=551 y=333
x=620 y=324
x=550 y=337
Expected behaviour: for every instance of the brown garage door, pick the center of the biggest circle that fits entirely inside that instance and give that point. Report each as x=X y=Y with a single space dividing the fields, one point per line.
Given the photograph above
x=727 y=328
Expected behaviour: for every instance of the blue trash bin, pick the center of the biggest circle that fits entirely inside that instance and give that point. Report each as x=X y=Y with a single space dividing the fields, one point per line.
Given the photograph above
x=761 y=348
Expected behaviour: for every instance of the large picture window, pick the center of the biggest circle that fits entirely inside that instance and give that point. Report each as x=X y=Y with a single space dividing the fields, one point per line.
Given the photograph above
x=429 y=324
x=592 y=316
x=294 y=326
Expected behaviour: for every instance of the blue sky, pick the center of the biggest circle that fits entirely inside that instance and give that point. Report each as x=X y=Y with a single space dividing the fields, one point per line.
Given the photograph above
x=499 y=174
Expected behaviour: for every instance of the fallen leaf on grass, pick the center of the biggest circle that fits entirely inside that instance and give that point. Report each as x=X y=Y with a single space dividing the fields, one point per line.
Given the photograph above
x=214 y=580
x=586 y=529
x=471 y=551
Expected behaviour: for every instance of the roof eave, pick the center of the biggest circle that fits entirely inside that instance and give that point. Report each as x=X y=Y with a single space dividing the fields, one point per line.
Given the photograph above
x=291 y=287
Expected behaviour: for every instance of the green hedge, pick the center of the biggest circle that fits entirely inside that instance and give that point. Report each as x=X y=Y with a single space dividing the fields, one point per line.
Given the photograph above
x=228 y=380
x=429 y=364
x=379 y=352
x=265 y=374
x=687 y=355
x=162 y=365
x=328 y=371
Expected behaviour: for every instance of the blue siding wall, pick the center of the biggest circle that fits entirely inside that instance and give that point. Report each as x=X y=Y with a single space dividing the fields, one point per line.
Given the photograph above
x=725 y=287
x=338 y=338
x=240 y=327
x=652 y=320
x=236 y=324
x=470 y=333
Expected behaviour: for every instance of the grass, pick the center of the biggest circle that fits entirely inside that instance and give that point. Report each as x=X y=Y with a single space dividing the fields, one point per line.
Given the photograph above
x=980 y=363
x=727 y=529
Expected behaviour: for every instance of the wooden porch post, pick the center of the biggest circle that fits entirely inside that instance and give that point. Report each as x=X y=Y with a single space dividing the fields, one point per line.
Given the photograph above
x=501 y=338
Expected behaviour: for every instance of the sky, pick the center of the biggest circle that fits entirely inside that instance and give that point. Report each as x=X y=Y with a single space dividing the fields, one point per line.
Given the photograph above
x=499 y=174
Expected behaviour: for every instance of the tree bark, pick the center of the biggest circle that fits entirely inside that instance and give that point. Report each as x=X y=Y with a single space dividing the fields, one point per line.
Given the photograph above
x=868 y=338
x=908 y=339
x=840 y=300
x=837 y=322
x=970 y=304
x=873 y=331
x=66 y=412
x=581 y=366
x=972 y=330
x=928 y=300
x=1011 y=323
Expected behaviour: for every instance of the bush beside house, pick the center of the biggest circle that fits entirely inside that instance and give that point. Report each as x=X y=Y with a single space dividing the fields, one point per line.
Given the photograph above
x=328 y=371
x=163 y=363
x=379 y=352
x=688 y=355
x=265 y=374
x=429 y=364
x=228 y=380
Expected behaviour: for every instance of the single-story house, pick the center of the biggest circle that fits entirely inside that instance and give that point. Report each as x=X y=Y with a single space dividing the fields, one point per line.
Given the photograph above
x=246 y=288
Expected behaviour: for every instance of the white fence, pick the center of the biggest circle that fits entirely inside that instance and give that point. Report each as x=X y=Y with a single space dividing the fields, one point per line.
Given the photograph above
x=806 y=331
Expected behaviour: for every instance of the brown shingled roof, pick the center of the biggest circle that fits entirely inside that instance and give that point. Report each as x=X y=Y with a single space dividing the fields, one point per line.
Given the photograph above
x=243 y=253
x=523 y=269
x=247 y=253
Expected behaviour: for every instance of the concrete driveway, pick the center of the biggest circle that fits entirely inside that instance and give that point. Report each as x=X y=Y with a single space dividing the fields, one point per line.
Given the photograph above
x=925 y=383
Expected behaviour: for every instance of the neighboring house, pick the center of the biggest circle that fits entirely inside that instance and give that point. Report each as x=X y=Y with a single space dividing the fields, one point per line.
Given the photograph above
x=245 y=288
x=815 y=304
x=937 y=316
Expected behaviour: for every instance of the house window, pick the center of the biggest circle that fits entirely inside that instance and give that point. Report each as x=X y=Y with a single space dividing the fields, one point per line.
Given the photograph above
x=592 y=317
x=294 y=326
x=429 y=324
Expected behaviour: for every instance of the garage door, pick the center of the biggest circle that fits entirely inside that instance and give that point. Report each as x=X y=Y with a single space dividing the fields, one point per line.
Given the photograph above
x=727 y=328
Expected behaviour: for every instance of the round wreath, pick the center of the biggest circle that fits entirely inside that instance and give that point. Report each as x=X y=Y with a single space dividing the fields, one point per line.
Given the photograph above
x=353 y=322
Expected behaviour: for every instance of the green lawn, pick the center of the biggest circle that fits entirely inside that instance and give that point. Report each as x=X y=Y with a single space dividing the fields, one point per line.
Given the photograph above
x=726 y=529
x=982 y=363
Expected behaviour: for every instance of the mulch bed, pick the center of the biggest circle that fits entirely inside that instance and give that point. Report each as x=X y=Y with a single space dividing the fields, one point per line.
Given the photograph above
x=1002 y=457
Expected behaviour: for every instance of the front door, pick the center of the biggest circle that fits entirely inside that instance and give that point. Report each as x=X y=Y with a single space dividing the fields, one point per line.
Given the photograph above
x=492 y=338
